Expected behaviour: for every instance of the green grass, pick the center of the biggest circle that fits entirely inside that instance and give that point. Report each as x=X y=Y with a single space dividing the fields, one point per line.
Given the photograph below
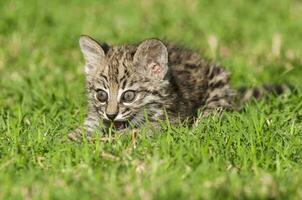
x=253 y=154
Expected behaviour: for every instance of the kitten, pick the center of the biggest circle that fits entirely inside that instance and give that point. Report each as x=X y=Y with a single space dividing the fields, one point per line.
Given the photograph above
x=128 y=85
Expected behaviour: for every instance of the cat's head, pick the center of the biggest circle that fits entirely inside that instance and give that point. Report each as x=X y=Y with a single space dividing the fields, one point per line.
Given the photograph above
x=126 y=84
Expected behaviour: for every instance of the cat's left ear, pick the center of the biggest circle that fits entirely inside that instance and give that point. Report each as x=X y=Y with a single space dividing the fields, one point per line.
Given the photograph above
x=151 y=59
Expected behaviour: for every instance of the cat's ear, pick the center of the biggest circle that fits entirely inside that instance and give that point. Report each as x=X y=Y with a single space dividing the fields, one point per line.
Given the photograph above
x=93 y=53
x=151 y=58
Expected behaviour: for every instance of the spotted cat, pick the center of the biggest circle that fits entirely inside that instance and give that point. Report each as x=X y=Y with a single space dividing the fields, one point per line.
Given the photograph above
x=128 y=85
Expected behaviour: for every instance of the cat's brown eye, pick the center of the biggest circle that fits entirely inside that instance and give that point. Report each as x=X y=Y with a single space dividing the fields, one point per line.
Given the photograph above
x=128 y=96
x=101 y=95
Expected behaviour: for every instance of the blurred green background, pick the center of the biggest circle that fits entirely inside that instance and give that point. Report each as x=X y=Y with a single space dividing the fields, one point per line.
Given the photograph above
x=251 y=155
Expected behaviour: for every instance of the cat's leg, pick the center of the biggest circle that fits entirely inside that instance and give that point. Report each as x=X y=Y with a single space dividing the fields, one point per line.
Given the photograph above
x=220 y=96
x=91 y=125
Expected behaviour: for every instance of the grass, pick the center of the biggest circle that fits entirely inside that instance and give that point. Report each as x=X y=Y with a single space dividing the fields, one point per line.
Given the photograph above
x=253 y=154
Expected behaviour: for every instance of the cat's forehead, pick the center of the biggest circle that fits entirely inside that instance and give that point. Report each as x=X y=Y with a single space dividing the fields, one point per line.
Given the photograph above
x=119 y=63
x=118 y=68
x=121 y=53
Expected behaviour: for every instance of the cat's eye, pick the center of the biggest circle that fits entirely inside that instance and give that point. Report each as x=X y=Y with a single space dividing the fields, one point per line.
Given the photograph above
x=128 y=96
x=101 y=95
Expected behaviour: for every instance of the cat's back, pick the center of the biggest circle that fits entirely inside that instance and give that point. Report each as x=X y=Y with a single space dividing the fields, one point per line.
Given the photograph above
x=189 y=73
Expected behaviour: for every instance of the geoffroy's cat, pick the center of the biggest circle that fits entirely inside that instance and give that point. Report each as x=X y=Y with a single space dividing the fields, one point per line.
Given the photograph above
x=128 y=85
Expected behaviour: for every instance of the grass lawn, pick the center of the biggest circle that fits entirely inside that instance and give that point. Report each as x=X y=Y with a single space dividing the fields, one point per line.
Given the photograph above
x=252 y=154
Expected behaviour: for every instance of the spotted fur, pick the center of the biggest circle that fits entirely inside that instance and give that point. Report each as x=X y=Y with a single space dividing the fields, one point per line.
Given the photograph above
x=167 y=81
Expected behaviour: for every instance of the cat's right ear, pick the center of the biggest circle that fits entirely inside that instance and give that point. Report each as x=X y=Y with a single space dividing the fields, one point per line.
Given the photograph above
x=93 y=53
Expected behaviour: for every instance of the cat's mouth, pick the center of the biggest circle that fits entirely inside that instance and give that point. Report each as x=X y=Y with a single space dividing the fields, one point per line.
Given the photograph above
x=119 y=125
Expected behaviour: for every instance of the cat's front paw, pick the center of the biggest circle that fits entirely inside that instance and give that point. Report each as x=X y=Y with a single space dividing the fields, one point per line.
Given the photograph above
x=78 y=135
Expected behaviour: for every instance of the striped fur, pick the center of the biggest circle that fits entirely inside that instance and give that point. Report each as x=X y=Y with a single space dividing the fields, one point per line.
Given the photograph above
x=246 y=94
x=166 y=79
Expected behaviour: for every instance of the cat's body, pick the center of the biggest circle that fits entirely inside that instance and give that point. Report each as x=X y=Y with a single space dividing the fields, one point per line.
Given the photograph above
x=128 y=85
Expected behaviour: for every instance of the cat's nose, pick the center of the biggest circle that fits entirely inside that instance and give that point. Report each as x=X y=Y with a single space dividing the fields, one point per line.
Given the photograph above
x=111 y=116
